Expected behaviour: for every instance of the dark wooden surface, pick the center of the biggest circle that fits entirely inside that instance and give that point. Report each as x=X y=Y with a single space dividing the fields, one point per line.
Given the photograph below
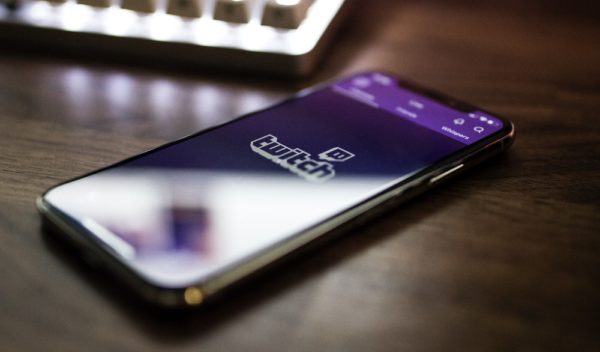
x=505 y=258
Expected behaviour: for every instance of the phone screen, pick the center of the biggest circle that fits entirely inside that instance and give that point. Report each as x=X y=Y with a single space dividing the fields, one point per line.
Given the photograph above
x=192 y=208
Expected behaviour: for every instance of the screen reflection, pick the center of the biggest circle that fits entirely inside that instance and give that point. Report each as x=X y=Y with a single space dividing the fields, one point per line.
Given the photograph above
x=177 y=227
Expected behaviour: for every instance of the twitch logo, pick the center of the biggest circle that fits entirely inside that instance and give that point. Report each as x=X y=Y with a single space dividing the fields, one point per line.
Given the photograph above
x=298 y=161
x=336 y=154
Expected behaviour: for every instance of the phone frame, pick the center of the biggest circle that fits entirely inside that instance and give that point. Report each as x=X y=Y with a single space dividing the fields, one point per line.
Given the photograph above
x=99 y=253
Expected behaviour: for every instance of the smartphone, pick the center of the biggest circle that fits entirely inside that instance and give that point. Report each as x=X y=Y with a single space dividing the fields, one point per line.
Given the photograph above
x=182 y=222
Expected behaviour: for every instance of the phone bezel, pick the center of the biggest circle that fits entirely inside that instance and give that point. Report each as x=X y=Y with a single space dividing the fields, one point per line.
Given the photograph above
x=178 y=296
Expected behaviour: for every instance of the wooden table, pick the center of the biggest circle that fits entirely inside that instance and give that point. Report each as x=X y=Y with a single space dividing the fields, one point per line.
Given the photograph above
x=505 y=258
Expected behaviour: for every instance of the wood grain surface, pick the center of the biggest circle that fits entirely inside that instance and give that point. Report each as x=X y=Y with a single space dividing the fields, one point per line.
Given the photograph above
x=505 y=258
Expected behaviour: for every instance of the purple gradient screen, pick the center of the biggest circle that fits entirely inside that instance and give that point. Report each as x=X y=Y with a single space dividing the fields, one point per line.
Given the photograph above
x=181 y=213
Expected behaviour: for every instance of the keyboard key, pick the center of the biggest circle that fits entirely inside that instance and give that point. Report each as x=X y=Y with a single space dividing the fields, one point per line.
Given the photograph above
x=237 y=11
x=145 y=6
x=161 y=26
x=185 y=8
x=285 y=13
x=95 y=3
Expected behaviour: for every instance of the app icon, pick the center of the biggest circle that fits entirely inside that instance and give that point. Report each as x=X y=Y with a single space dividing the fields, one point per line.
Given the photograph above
x=381 y=79
x=361 y=82
x=336 y=154
x=459 y=121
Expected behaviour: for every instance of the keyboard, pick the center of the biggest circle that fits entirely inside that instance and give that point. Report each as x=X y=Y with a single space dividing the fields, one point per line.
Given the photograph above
x=284 y=37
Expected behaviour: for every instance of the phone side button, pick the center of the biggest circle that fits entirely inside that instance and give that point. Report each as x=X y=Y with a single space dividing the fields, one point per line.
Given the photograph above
x=445 y=174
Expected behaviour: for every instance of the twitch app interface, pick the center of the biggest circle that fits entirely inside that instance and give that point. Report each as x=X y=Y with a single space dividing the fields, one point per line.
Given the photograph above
x=193 y=208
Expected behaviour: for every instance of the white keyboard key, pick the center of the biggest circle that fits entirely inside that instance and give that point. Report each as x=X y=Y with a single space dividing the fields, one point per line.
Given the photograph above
x=95 y=3
x=237 y=11
x=185 y=8
x=146 y=6
x=285 y=13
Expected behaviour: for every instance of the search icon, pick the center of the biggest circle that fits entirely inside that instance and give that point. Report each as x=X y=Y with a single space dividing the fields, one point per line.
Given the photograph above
x=478 y=129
